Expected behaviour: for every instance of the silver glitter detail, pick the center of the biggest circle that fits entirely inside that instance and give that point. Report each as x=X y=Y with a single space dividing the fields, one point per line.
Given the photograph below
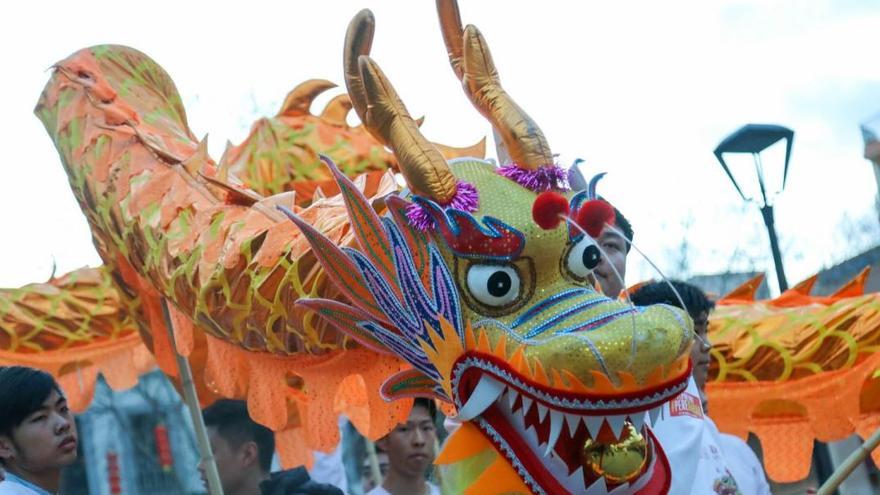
x=508 y=452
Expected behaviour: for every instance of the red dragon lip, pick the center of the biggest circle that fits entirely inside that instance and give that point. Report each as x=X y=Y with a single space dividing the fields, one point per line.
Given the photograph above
x=541 y=430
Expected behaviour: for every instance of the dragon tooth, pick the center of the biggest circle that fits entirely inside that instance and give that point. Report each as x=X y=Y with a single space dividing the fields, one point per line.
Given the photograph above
x=594 y=424
x=616 y=424
x=511 y=397
x=576 y=480
x=532 y=437
x=556 y=420
x=654 y=414
x=527 y=404
x=599 y=487
x=637 y=420
x=485 y=393
x=573 y=421
x=621 y=489
x=542 y=412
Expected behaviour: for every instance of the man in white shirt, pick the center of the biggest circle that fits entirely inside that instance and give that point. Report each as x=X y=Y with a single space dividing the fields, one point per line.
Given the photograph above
x=724 y=464
x=410 y=450
x=37 y=432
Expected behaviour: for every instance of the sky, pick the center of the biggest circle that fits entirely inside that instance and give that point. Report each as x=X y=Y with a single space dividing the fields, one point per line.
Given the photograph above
x=643 y=90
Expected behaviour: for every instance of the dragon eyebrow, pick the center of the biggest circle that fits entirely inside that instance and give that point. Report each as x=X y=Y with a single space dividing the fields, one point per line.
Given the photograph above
x=467 y=237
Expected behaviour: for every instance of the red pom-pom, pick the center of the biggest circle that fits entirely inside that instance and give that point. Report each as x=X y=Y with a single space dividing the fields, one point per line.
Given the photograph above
x=548 y=209
x=593 y=216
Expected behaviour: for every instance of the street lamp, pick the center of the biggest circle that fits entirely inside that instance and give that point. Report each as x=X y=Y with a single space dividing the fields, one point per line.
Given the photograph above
x=754 y=139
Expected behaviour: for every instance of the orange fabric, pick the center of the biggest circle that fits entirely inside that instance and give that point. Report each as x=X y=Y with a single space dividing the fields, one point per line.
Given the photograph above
x=121 y=361
x=854 y=287
x=300 y=395
x=790 y=445
x=795 y=369
x=745 y=293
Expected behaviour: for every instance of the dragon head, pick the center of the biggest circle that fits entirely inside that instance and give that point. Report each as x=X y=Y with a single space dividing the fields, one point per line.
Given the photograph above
x=493 y=308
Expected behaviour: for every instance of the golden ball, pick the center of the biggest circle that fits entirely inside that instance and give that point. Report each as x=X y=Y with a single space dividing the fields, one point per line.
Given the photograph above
x=617 y=462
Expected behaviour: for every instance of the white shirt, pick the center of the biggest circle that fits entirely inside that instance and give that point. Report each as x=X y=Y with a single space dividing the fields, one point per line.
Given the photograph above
x=379 y=490
x=10 y=488
x=692 y=446
x=329 y=469
x=743 y=464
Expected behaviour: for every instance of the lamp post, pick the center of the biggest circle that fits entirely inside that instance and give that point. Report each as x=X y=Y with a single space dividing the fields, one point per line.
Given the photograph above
x=754 y=139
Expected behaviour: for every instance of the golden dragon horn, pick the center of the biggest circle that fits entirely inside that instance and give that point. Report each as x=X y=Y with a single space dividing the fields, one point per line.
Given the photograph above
x=337 y=109
x=299 y=100
x=472 y=63
x=384 y=115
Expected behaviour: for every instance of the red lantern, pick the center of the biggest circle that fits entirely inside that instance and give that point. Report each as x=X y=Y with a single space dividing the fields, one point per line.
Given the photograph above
x=163 y=447
x=114 y=479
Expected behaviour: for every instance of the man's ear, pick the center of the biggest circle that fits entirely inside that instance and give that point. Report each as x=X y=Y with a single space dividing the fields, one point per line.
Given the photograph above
x=7 y=448
x=250 y=454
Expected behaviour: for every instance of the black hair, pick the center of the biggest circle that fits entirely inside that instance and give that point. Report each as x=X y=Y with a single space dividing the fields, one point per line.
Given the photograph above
x=624 y=226
x=22 y=392
x=231 y=419
x=429 y=406
x=694 y=298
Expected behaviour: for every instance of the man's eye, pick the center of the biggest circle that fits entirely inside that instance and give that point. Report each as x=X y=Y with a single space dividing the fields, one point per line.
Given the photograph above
x=39 y=418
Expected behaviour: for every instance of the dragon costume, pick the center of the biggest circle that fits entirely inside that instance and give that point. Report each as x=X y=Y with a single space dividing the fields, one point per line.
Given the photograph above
x=467 y=286
x=170 y=223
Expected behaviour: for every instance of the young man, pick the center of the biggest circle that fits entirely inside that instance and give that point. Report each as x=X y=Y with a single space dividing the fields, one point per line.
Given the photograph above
x=37 y=432
x=724 y=462
x=410 y=450
x=243 y=452
x=611 y=270
x=368 y=481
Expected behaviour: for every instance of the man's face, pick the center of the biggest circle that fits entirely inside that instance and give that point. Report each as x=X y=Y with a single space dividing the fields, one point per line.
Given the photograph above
x=45 y=440
x=700 y=350
x=368 y=481
x=611 y=270
x=410 y=446
x=233 y=463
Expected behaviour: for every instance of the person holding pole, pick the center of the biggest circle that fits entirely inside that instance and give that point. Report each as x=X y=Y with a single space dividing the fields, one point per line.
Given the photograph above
x=725 y=464
x=243 y=451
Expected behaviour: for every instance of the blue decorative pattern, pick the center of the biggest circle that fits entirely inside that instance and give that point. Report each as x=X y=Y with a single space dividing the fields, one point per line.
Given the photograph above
x=547 y=303
x=597 y=322
x=564 y=315
x=575 y=235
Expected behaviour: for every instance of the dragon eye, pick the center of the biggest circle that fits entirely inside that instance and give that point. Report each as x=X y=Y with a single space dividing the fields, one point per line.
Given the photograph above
x=493 y=285
x=583 y=257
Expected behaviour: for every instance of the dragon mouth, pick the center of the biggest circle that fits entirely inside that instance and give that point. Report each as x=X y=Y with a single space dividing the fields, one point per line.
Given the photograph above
x=545 y=433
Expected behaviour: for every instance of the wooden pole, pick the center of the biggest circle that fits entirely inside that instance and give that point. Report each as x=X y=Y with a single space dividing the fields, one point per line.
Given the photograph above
x=190 y=397
x=374 y=461
x=851 y=462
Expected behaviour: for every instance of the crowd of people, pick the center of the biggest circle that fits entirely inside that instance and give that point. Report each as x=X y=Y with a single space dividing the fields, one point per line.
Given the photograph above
x=38 y=434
